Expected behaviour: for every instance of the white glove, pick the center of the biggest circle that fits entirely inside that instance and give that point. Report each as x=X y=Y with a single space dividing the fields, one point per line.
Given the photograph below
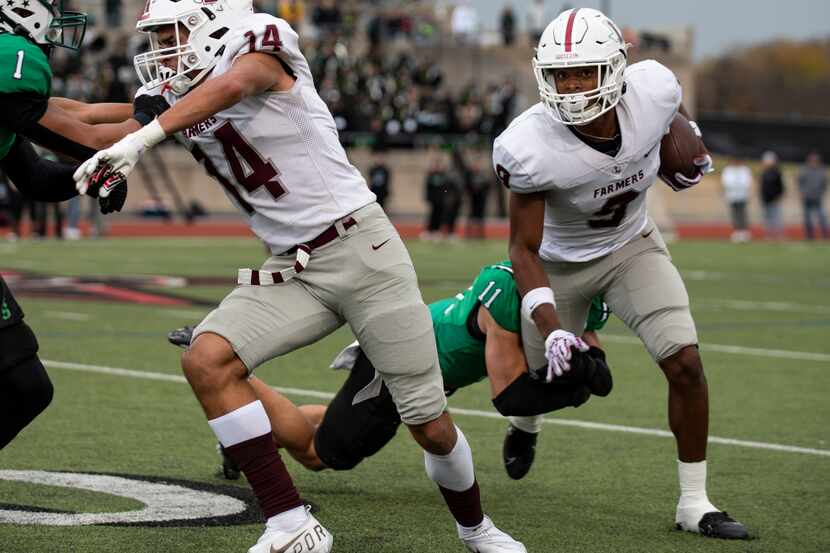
x=558 y=346
x=122 y=156
x=704 y=166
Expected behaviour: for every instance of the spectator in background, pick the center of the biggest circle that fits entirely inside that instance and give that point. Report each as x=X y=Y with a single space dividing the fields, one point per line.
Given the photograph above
x=327 y=17
x=435 y=187
x=477 y=185
x=507 y=23
x=292 y=11
x=113 y=9
x=772 y=189
x=812 y=184
x=736 y=179
x=465 y=23
x=380 y=178
x=536 y=21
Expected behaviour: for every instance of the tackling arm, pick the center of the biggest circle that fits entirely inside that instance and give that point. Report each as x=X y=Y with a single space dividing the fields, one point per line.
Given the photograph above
x=94 y=114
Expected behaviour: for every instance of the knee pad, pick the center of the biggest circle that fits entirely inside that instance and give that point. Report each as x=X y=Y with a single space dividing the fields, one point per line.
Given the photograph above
x=359 y=421
x=25 y=391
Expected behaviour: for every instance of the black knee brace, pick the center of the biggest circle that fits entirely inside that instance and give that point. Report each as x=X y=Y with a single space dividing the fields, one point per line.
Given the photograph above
x=25 y=391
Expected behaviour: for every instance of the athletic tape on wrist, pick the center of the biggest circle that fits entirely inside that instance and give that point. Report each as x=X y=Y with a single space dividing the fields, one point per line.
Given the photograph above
x=535 y=298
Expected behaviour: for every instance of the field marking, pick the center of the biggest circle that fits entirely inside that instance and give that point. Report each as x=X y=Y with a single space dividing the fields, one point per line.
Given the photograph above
x=68 y=315
x=737 y=350
x=114 y=371
x=748 y=305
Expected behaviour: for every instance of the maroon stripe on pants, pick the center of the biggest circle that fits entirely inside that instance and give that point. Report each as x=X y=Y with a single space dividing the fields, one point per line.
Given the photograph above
x=266 y=473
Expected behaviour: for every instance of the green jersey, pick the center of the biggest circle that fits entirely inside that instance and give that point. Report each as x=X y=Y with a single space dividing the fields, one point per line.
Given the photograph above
x=24 y=72
x=455 y=322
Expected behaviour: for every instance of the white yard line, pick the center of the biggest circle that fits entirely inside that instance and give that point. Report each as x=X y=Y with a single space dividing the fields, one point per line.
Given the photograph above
x=737 y=350
x=68 y=315
x=467 y=412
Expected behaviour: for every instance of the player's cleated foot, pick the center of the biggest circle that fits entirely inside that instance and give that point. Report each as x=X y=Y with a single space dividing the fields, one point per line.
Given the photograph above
x=180 y=336
x=311 y=537
x=486 y=538
x=716 y=524
x=229 y=469
x=518 y=452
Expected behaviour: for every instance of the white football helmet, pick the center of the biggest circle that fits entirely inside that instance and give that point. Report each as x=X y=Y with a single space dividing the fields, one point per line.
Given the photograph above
x=43 y=22
x=201 y=28
x=581 y=37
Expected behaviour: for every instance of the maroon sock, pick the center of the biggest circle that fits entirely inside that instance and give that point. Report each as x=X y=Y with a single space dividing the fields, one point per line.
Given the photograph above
x=266 y=473
x=465 y=506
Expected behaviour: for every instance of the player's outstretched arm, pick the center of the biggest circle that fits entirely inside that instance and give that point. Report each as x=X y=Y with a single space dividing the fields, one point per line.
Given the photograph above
x=292 y=428
x=251 y=74
x=94 y=114
x=503 y=353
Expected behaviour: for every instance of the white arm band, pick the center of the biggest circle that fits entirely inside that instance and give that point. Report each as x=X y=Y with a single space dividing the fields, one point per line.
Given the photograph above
x=151 y=134
x=535 y=298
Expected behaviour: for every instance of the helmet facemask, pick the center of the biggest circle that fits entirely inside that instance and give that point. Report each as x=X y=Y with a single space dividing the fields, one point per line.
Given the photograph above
x=582 y=107
x=183 y=49
x=44 y=22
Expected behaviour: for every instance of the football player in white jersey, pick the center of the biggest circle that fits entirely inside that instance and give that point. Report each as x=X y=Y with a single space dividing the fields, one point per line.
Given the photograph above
x=578 y=165
x=243 y=101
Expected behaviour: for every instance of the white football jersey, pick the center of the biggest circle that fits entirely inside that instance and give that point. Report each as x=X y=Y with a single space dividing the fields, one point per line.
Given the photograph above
x=595 y=203
x=277 y=154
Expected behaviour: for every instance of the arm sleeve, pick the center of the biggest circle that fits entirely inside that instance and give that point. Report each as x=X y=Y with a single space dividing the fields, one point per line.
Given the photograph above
x=526 y=397
x=36 y=177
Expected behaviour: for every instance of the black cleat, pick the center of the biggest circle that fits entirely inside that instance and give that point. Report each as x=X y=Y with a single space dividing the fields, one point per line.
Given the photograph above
x=229 y=469
x=718 y=524
x=181 y=336
x=518 y=452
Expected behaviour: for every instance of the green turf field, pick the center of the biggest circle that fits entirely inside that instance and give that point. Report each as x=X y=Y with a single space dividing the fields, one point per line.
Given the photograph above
x=605 y=477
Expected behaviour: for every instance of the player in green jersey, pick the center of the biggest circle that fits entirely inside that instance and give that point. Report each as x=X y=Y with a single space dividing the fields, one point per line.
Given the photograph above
x=28 y=30
x=477 y=334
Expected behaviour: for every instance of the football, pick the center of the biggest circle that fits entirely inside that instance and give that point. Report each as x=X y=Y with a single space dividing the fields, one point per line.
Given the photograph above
x=678 y=150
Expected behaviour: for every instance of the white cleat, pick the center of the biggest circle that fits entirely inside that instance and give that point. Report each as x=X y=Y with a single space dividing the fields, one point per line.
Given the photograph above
x=311 y=537
x=486 y=538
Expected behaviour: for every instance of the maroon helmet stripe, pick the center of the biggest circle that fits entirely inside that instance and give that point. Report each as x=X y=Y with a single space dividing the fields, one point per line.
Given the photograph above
x=570 y=29
x=254 y=278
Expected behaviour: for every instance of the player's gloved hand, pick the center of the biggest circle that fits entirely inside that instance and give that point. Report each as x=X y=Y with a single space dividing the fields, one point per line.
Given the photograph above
x=149 y=106
x=109 y=187
x=703 y=165
x=122 y=156
x=558 y=346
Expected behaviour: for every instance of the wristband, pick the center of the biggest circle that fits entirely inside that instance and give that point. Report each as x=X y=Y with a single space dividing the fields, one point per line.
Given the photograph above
x=535 y=298
x=151 y=135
